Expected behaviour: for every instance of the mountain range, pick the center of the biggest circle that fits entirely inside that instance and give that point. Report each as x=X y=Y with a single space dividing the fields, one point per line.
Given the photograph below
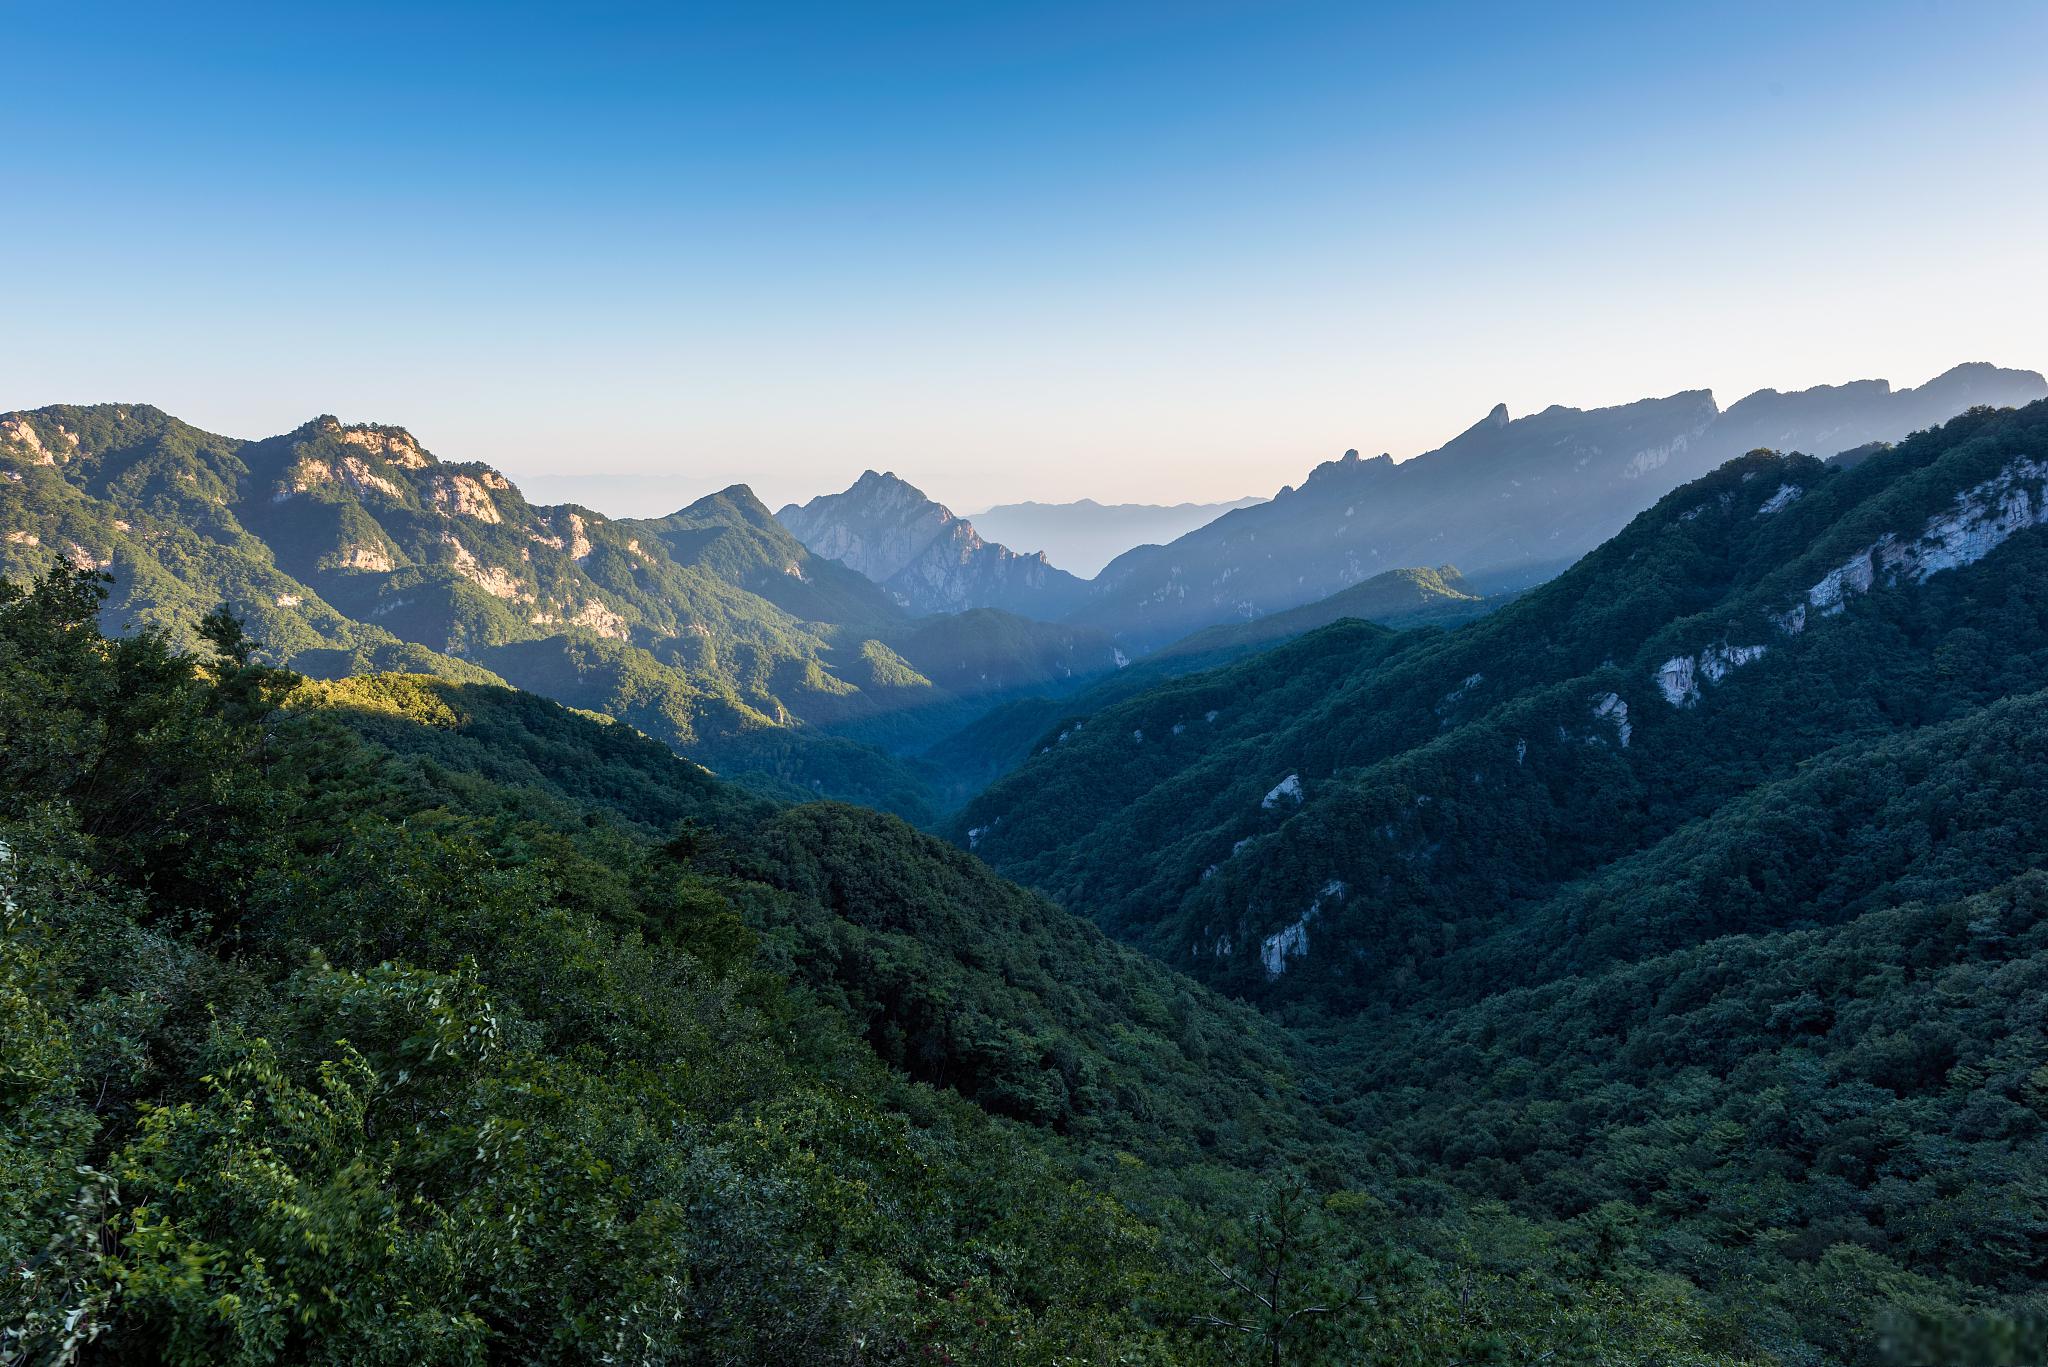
x=1083 y=536
x=1362 y=814
x=1650 y=966
x=1642 y=966
x=1510 y=501
x=1705 y=879
x=350 y=547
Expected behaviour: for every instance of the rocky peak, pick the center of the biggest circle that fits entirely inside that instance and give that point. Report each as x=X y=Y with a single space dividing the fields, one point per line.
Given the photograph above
x=929 y=559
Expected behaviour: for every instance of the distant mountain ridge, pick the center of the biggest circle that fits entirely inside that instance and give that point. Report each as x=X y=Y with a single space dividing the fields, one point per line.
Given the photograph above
x=351 y=547
x=1508 y=497
x=928 y=558
x=1331 y=819
x=1083 y=536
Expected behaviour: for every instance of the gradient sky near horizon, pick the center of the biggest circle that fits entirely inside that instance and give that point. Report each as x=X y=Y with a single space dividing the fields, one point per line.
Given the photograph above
x=1131 y=252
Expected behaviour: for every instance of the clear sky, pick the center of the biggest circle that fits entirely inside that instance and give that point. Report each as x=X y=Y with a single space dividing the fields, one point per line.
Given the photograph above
x=1146 y=252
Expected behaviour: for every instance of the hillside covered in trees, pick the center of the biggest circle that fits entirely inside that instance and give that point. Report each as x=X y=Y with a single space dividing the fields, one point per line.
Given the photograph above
x=351 y=548
x=397 y=1019
x=1650 y=970
x=1700 y=886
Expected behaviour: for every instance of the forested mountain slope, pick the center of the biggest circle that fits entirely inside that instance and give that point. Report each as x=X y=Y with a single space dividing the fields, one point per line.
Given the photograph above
x=352 y=548
x=400 y=1020
x=1701 y=887
x=1336 y=818
x=983 y=749
x=1508 y=498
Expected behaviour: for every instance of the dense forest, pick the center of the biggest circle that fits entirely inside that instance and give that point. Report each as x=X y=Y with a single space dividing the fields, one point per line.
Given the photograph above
x=1579 y=984
x=1701 y=886
x=402 y=1020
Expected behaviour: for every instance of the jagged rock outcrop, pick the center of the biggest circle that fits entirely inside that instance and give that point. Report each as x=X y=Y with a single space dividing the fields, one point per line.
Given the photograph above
x=926 y=557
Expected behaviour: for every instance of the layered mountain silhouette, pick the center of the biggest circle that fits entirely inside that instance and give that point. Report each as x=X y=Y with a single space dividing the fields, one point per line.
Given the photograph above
x=926 y=557
x=1652 y=965
x=1362 y=811
x=1510 y=501
x=1084 y=535
x=351 y=547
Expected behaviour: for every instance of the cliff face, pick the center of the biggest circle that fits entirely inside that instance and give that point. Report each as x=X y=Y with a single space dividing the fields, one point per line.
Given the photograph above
x=926 y=557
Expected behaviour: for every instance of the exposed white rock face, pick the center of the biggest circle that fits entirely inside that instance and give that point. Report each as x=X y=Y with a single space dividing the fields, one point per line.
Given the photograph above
x=464 y=496
x=1210 y=716
x=1719 y=661
x=356 y=473
x=289 y=600
x=1287 y=789
x=1521 y=750
x=83 y=559
x=23 y=539
x=1984 y=518
x=1292 y=941
x=499 y=583
x=11 y=476
x=567 y=532
x=351 y=472
x=1121 y=658
x=366 y=558
x=1611 y=708
x=1679 y=679
x=1851 y=577
x=20 y=433
x=303 y=476
x=394 y=444
x=1793 y=620
x=1780 y=500
x=492 y=579
x=1240 y=844
x=1283 y=945
x=602 y=620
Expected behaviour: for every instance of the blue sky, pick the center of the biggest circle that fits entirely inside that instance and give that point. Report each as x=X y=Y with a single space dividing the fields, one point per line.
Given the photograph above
x=1130 y=252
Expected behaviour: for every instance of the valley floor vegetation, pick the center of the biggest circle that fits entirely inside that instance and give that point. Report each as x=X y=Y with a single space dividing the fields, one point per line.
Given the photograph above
x=399 y=1020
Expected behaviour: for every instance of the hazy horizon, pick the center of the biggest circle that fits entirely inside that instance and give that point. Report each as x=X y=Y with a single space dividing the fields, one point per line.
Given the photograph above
x=1154 y=254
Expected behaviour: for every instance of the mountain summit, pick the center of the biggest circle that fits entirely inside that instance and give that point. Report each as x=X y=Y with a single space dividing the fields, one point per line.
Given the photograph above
x=928 y=558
